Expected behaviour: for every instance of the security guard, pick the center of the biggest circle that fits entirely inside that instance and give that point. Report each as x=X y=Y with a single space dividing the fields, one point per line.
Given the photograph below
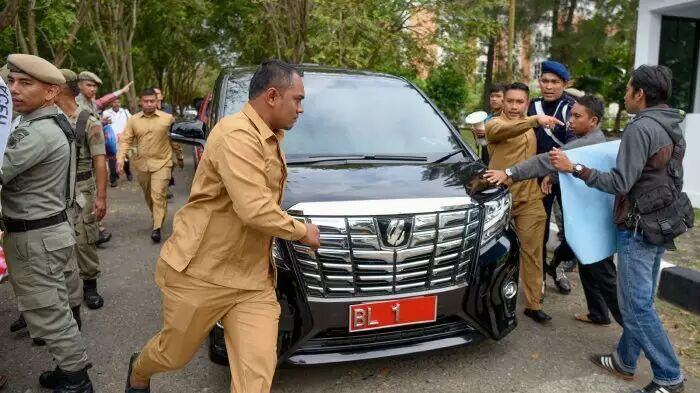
x=38 y=175
x=88 y=83
x=91 y=199
x=147 y=131
x=217 y=265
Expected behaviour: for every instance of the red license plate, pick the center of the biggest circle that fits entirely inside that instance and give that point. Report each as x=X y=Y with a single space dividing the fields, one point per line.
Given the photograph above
x=390 y=313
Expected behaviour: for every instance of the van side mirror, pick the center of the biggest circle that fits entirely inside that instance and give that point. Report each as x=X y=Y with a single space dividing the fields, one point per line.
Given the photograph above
x=188 y=132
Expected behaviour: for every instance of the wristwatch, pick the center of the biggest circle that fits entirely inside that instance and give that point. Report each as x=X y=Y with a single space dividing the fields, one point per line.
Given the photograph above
x=508 y=172
x=578 y=169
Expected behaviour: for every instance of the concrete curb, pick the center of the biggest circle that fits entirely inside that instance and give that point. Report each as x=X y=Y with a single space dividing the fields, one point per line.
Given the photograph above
x=677 y=285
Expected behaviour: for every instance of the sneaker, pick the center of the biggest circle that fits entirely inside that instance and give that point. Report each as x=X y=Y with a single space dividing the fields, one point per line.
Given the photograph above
x=607 y=363
x=561 y=281
x=653 y=387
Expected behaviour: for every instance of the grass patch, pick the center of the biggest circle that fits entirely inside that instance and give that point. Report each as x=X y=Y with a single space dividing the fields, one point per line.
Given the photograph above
x=684 y=329
x=697 y=215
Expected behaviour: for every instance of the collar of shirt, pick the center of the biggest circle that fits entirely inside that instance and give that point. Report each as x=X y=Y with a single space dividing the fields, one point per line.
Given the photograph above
x=261 y=126
x=156 y=113
x=45 y=111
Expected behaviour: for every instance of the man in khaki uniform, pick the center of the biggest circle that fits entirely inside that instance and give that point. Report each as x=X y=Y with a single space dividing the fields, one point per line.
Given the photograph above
x=217 y=264
x=511 y=140
x=37 y=179
x=91 y=198
x=88 y=83
x=147 y=132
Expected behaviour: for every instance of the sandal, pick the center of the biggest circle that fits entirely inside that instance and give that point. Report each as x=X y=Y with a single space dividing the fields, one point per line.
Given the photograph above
x=607 y=363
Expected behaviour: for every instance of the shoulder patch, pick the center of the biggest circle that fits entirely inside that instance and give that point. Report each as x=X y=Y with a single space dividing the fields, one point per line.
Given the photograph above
x=16 y=137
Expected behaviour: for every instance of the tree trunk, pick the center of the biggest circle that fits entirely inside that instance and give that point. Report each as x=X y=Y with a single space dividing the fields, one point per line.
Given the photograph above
x=618 y=117
x=8 y=15
x=31 y=28
x=553 y=45
x=488 y=77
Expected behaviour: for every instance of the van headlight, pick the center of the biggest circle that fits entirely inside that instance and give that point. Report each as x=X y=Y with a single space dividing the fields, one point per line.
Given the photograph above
x=496 y=218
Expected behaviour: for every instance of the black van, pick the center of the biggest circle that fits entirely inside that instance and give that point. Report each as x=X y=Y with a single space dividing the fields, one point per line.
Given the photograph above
x=416 y=253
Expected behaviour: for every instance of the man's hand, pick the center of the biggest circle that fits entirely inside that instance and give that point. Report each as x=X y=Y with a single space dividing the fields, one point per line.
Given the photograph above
x=479 y=132
x=496 y=176
x=125 y=89
x=312 y=237
x=99 y=207
x=548 y=121
x=559 y=160
x=546 y=185
x=120 y=168
x=106 y=120
x=181 y=163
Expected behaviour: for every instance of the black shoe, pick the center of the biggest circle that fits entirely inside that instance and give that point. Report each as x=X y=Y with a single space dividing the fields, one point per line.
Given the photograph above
x=104 y=237
x=653 y=387
x=538 y=316
x=113 y=183
x=155 y=235
x=76 y=316
x=128 y=388
x=561 y=281
x=92 y=299
x=607 y=363
x=19 y=324
x=129 y=177
x=75 y=382
x=52 y=379
x=39 y=342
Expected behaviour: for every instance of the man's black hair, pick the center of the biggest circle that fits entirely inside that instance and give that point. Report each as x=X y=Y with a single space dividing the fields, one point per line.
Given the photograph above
x=655 y=81
x=147 y=92
x=497 y=88
x=518 y=86
x=73 y=87
x=594 y=105
x=272 y=73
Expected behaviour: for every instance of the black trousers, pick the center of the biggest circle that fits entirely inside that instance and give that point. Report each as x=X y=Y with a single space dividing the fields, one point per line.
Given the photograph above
x=113 y=175
x=599 y=282
x=548 y=202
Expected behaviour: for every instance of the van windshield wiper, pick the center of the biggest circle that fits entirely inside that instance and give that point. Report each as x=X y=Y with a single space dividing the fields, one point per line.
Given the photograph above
x=369 y=157
x=447 y=156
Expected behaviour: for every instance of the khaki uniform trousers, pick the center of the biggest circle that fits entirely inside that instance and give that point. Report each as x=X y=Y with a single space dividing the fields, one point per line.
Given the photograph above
x=529 y=218
x=191 y=308
x=155 y=189
x=87 y=231
x=37 y=261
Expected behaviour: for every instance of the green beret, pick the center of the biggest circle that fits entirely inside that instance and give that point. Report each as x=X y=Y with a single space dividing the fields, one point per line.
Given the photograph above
x=35 y=67
x=69 y=74
x=89 y=76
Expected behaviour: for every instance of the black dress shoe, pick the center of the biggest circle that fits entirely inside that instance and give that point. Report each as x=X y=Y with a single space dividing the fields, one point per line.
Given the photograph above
x=92 y=299
x=155 y=235
x=75 y=382
x=653 y=387
x=52 y=379
x=104 y=237
x=113 y=183
x=19 y=324
x=128 y=388
x=538 y=316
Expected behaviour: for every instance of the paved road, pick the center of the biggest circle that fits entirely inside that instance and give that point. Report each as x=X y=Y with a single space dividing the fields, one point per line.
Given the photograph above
x=531 y=359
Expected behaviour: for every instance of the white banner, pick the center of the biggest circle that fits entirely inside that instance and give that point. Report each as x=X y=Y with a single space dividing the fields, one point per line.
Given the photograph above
x=5 y=117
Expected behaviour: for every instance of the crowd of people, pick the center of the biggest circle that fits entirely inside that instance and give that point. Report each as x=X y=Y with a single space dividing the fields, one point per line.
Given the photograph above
x=526 y=148
x=55 y=177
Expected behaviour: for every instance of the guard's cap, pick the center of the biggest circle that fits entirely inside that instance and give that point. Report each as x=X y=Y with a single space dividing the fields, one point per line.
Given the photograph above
x=36 y=67
x=89 y=76
x=69 y=74
x=557 y=69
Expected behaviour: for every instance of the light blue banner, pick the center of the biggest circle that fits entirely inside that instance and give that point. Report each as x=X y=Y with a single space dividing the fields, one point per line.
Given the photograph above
x=588 y=212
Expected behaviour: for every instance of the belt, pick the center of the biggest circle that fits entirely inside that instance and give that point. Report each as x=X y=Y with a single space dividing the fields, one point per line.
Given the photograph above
x=82 y=176
x=11 y=225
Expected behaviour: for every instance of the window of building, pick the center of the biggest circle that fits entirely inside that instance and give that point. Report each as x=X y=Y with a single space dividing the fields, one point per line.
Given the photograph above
x=679 y=51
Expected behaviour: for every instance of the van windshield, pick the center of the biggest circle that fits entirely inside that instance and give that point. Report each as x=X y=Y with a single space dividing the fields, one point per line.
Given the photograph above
x=358 y=115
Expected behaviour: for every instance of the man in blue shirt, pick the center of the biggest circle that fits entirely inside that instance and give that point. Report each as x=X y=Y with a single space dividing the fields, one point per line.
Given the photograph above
x=557 y=103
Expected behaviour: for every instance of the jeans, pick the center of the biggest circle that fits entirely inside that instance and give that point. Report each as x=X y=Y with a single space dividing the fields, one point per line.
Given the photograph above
x=637 y=271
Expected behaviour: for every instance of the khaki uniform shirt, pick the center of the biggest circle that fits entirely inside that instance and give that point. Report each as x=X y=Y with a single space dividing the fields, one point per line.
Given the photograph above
x=149 y=135
x=509 y=143
x=223 y=235
x=35 y=168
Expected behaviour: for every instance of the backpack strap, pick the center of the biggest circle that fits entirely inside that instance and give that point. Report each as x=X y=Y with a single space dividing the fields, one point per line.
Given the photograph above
x=69 y=133
x=80 y=129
